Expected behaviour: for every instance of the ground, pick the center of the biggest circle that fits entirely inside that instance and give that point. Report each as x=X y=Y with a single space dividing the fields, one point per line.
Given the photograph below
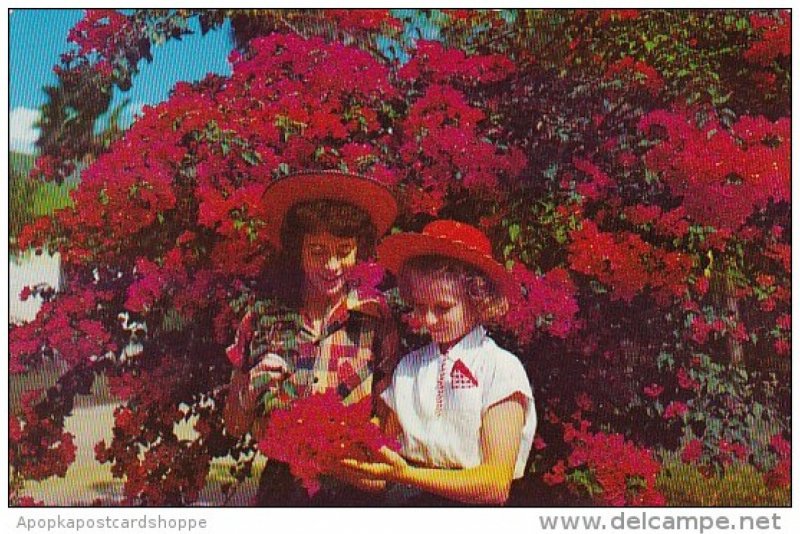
x=87 y=479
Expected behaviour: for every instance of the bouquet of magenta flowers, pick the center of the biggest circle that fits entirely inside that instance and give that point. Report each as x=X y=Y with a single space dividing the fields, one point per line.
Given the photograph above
x=315 y=433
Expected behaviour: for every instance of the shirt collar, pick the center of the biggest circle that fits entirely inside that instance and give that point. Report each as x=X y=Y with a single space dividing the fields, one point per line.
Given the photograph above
x=472 y=340
x=374 y=306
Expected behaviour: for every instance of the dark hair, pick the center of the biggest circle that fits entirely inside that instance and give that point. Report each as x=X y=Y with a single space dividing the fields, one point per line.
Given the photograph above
x=484 y=295
x=337 y=218
x=340 y=219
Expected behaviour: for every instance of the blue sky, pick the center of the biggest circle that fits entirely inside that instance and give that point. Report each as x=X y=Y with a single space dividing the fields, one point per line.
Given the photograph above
x=38 y=37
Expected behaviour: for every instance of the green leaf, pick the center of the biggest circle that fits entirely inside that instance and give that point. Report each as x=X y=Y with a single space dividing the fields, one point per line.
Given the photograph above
x=665 y=360
x=597 y=287
x=650 y=176
x=551 y=171
x=561 y=236
x=741 y=23
x=289 y=388
x=253 y=158
x=260 y=381
x=742 y=373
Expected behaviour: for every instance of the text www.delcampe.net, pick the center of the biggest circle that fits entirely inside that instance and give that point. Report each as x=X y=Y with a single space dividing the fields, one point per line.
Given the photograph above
x=659 y=521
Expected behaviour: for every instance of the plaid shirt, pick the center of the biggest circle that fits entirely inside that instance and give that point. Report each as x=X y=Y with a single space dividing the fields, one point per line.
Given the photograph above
x=355 y=345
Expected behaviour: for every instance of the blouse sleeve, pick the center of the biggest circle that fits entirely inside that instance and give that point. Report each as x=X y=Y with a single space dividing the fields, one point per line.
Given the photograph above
x=509 y=377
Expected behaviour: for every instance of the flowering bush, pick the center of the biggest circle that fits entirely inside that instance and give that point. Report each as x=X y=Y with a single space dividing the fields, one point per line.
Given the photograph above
x=32 y=431
x=780 y=476
x=723 y=174
x=314 y=434
x=631 y=168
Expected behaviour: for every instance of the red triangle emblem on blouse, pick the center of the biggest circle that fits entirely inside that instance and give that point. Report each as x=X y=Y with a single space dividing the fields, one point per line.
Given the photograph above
x=461 y=377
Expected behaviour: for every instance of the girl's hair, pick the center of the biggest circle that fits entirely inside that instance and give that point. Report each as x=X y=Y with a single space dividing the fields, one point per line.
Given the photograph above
x=485 y=296
x=313 y=217
x=336 y=218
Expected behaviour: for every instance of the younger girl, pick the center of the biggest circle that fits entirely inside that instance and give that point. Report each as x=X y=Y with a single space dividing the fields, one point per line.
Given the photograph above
x=461 y=407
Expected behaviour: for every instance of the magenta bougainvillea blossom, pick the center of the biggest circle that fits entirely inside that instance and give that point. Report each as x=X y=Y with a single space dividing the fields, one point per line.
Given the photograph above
x=317 y=432
x=610 y=469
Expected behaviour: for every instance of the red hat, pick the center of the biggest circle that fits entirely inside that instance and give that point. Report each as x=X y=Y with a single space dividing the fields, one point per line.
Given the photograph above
x=450 y=239
x=372 y=197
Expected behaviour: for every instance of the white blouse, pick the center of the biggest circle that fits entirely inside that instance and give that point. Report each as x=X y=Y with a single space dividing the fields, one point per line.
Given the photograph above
x=440 y=401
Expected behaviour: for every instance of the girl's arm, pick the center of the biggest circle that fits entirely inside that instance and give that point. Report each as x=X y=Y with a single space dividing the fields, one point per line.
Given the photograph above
x=488 y=483
x=239 y=411
x=387 y=420
x=245 y=389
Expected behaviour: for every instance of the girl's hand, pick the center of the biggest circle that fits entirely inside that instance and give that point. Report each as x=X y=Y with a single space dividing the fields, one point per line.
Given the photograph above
x=356 y=479
x=246 y=387
x=267 y=374
x=392 y=467
x=270 y=371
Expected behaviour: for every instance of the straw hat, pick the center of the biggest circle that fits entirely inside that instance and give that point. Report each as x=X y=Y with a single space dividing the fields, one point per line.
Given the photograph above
x=450 y=239
x=372 y=197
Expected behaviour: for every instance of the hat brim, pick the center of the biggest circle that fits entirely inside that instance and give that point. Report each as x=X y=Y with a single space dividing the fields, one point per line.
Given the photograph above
x=374 y=198
x=397 y=249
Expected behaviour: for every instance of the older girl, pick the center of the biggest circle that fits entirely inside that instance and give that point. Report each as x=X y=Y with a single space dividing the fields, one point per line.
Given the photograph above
x=324 y=223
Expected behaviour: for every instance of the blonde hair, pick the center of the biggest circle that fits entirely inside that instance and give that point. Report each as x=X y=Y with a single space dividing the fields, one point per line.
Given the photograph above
x=485 y=297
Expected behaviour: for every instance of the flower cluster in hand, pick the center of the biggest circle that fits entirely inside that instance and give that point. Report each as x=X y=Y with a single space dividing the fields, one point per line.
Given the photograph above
x=317 y=432
x=608 y=469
